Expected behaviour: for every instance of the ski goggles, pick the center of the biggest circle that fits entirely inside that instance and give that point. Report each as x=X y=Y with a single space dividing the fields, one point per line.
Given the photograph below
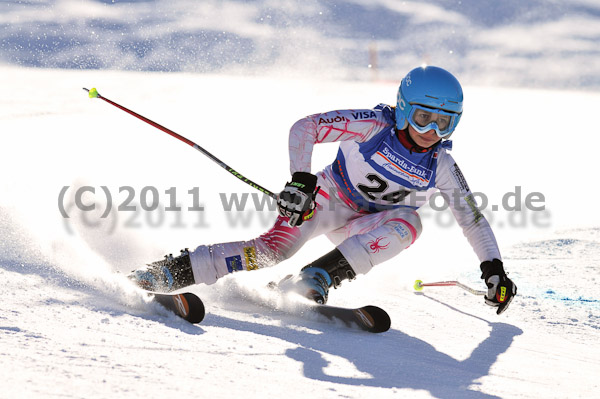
x=423 y=119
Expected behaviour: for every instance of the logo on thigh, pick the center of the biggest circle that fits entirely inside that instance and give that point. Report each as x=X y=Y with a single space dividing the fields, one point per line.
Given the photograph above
x=402 y=231
x=376 y=245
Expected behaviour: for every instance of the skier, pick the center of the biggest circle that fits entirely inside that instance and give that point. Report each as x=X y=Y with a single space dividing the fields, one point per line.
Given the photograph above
x=390 y=161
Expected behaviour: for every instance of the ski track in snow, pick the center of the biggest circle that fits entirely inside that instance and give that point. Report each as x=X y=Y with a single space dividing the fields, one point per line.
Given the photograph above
x=70 y=326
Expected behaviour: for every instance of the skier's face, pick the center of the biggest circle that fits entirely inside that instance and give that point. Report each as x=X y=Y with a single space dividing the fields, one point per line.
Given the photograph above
x=424 y=140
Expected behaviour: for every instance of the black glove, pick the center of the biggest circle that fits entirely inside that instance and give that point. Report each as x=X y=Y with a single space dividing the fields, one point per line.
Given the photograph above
x=501 y=289
x=297 y=200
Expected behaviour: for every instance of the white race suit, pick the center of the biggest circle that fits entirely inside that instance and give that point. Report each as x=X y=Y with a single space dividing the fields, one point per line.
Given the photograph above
x=367 y=200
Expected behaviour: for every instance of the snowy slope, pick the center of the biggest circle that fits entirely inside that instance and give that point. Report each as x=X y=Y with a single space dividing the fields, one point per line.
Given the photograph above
x=532 y=43
x=72 y=327
x=241 y=72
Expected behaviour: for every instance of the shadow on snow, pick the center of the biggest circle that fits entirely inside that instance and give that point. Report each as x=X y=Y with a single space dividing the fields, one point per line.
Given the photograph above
x=393 y=360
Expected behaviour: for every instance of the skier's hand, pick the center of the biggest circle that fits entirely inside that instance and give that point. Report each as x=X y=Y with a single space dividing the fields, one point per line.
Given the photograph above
x=501 y=289
x=297 y=200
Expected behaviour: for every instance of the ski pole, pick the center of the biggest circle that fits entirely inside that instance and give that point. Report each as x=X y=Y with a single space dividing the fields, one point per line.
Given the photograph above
x=419 y=286
x=93 y=93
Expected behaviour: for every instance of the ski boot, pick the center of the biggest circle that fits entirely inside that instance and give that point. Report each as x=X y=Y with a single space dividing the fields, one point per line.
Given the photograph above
x=169 y=274
x=315 y=279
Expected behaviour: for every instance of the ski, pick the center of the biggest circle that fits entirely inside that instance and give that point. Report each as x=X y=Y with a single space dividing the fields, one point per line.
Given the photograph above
x=368 y=318
x=187 y=305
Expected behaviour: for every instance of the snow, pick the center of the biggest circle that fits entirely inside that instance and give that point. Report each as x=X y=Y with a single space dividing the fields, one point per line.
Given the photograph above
x=72 y=326
x=516 y=43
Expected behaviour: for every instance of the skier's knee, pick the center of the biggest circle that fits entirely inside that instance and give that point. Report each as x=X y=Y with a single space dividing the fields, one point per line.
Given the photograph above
x=363 y=251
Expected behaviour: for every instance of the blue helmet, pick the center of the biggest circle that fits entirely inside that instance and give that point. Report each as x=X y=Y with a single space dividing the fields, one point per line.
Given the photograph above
x=429 y=98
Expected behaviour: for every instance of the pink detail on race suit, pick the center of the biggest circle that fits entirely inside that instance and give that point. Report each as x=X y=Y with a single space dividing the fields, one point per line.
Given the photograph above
x=324 y=194
x=319 y=207
x=375 y=245
x=324 y=131
x=342 y=132
x=411 y=228
x=351 y=204
x=281 y=238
